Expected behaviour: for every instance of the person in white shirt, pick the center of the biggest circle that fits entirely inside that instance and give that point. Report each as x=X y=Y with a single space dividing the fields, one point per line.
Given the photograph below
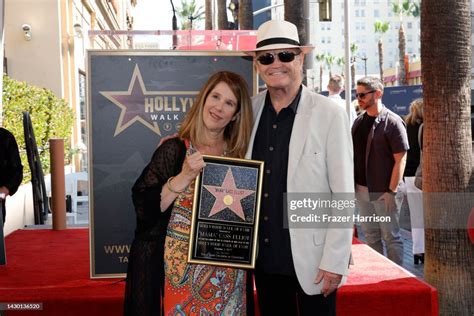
x=335 y=87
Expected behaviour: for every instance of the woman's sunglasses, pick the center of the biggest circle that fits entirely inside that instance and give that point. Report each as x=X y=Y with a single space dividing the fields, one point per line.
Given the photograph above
x=284 y=57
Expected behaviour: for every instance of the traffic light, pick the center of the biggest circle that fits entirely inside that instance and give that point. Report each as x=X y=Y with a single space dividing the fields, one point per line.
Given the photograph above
x=325 y=10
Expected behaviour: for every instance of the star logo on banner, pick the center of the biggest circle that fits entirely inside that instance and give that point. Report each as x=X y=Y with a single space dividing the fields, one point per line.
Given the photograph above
x=228 y=196
x=132 y=103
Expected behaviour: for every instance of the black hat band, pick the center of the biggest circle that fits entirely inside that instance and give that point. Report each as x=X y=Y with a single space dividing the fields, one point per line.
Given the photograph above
x=277 y=40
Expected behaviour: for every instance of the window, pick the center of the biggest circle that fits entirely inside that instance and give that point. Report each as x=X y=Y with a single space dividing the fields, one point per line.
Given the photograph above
x=376 y=13
x=409 y=25
x=362 y=12
x=357 y=13
x=409 y=38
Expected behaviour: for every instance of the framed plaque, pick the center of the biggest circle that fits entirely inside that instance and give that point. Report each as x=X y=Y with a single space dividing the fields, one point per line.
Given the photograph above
x=226 y=208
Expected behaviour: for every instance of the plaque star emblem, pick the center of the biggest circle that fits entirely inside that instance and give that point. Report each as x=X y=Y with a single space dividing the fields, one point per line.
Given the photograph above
x=132 y=103
x=228 y=196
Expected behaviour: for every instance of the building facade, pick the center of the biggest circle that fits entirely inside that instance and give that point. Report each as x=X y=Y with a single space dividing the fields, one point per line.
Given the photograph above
x=45 y=45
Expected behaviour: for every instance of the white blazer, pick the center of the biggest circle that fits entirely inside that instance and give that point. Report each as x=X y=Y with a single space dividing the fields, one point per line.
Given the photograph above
x=320 y=161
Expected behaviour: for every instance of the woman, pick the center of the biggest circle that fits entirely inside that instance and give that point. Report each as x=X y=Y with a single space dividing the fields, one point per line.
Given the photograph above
x=218 y=124
x=414 y=120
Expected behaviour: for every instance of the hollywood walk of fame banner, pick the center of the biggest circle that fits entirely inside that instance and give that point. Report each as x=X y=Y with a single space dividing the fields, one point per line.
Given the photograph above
x=134 y=99
x=226 y=207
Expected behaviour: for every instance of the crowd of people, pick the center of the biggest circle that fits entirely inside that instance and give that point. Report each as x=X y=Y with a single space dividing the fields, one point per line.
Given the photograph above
x=308 y=144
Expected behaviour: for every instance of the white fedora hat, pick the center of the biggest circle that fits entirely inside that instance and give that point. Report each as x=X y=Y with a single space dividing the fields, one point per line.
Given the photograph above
x=278 y=34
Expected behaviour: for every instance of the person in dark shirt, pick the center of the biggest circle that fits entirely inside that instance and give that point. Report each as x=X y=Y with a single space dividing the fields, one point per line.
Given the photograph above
x=306 y=145
x=11 y=169
x=380 y=146
x=414 y=121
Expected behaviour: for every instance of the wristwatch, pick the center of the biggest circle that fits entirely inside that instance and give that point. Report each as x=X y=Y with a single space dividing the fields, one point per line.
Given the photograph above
x=392 y=192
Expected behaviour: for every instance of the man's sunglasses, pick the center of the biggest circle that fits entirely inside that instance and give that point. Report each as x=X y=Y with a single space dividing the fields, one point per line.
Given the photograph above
x=269 y=58
x=361 y=95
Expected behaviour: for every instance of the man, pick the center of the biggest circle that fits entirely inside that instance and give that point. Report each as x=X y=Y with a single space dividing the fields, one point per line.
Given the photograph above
x=11 y=169
x=306 y=145
x=380 y=147
x=335 y=87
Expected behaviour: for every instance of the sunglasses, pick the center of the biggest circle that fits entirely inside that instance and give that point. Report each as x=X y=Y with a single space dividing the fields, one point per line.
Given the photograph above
x=363 y=94
x=269 y=58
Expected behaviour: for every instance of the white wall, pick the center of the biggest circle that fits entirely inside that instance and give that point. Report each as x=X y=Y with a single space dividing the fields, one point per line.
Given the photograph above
x=37 y=61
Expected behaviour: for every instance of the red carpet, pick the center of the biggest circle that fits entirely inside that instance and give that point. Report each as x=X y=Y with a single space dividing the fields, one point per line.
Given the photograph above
x=52 y=267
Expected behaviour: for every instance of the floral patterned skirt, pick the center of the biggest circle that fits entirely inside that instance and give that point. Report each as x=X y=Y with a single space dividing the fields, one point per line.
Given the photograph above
x=197 y=289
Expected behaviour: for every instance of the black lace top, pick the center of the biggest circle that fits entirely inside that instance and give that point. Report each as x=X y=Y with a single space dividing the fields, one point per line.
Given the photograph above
x=145 y=275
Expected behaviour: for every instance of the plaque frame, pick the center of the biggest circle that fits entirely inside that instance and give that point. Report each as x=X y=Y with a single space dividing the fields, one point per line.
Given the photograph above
x=232 y=236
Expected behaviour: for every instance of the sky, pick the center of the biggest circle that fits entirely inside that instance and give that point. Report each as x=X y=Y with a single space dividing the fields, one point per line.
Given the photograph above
x=156 y=14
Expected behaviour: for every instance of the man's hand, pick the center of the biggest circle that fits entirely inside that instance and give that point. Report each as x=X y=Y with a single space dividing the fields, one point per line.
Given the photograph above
x=389 y=200
x=330 y=281
x=164 y=139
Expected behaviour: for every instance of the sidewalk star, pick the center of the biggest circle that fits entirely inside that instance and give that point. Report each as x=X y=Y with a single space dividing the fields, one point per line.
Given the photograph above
x=228 y=196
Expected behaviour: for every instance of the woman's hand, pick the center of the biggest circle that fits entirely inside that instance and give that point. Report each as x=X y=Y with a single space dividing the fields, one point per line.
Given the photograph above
x=192 y=165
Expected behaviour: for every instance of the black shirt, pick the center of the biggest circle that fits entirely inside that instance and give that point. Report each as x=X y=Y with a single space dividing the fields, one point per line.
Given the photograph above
x=271 y=145
x=360 y=146
x=11 y=169
x=413 y=154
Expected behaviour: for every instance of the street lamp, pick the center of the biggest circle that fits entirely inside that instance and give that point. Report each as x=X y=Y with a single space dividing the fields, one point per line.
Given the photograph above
x=361 y=58
x=175 y=26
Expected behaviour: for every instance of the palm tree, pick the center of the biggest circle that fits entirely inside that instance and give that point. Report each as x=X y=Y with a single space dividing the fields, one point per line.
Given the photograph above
x=330 y=61
x=320 y=58
x=404 y=8
x=340 y=61
x=222 y=21
x=189 y=12
x=208 y=10
x=447 y=159
x=245 y=15
x=381 y=28
x=354 y=49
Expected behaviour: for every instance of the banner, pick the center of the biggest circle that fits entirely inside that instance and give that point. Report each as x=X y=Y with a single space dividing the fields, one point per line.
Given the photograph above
x=134 y=99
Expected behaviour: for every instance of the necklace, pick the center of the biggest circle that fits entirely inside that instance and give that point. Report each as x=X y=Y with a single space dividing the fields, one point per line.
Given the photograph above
x=192 y=150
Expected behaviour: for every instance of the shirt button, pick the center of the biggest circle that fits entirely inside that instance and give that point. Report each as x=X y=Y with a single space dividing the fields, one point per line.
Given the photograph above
x=270 y=148
x=266 y=240
x=274 y=126
x=265 y=195
x=265 y=218
x=268 y=171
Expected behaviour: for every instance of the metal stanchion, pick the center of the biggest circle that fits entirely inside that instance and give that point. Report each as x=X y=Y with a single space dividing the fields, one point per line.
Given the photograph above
x=58 y=188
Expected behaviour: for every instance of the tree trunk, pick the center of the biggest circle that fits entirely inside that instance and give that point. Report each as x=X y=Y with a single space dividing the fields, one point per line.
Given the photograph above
x=208 y=12
x=295 y=13
x=222 y=22
x=401 y=56
x=381 y=59
x=245 y=15
x=447 y=165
